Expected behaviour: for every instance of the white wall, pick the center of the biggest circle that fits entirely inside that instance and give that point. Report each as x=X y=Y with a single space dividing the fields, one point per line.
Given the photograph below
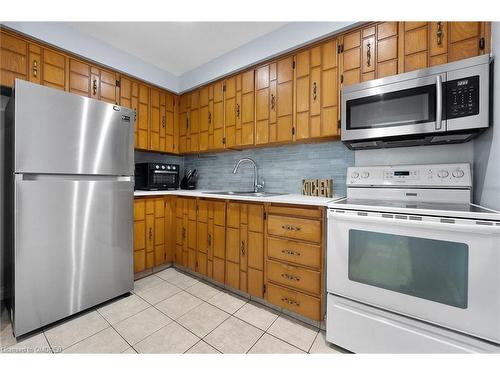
x=487 y=145
x=288 y=37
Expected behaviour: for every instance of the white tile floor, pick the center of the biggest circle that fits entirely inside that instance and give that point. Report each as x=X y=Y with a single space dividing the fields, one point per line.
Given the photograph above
x=172 y=312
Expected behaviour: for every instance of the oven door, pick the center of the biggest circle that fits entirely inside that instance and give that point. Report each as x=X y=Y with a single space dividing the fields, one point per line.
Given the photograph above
x=409 y=107
x=439 y=270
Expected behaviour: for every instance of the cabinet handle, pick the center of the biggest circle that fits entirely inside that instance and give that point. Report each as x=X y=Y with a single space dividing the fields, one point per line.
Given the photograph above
x=290 y=277
x=35 y=68
x=273 y=102
x=368 y=53
x=209 y=240
x=439 y=33
x=237 y=111
x=290 y=227
x=163 y=121
x=135 y=114
x=209 y=117
x=94 y=86
x=183 y=233
x=315 y=90
x=150 y=233
x=290 y=301
x=187 y=123
x=243 y=248
x=290 y=252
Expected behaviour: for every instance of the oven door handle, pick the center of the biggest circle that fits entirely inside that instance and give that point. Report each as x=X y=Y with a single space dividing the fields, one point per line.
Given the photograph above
x=439 y=102
x=457 y=227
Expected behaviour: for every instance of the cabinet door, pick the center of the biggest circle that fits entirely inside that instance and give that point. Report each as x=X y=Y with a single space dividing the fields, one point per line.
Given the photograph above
x=194 y=121
x=150 y=236
x=108 y=88
x=169 y=123
x=35 y=63
x=351 y=58
x=183 y=122
x=139 y=235
x=284 y=101
x=387 y=49
x=216 y=118
x=230 y=111
x=79 y=77
x=265 y=105
x=255 y=250
x=143 y=117
x=245 y=110
x=53 y=69
x=204 y=117
x=154 y=129
x=438 y=43
x=464 y=38
x=159 y=232
x=416 y=45
x=163 y=122
x=13 y=59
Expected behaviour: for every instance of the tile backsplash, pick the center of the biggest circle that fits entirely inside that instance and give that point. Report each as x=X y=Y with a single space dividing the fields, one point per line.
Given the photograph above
x=282 y=168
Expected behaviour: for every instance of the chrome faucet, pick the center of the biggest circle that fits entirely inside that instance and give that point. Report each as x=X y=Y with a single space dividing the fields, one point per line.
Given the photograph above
x=256 y=185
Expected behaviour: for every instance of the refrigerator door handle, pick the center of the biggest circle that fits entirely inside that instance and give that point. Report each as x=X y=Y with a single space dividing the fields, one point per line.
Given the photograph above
x=73 y=177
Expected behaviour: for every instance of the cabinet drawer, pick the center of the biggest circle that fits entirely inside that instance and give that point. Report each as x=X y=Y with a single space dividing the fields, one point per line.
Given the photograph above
x=294 y=301
x=294 y=252
x=293 y=227
x=297 y=277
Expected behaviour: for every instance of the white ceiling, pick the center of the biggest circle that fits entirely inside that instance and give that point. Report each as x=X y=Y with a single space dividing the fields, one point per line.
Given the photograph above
x=176 y=47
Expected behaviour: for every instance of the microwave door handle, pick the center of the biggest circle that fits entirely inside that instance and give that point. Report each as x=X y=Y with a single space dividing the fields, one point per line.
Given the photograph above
x=439 y=102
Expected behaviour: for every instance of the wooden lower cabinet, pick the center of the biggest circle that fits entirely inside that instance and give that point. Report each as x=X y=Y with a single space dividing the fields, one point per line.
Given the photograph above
x=236 y=244
x=153 y=246
x=295 y=259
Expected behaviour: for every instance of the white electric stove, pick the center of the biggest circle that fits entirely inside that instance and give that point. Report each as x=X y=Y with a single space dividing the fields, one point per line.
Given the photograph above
x=412 y=265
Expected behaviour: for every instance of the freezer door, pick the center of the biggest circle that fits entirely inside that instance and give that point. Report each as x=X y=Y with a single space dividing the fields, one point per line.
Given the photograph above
x=73 y=246
x=59 y=132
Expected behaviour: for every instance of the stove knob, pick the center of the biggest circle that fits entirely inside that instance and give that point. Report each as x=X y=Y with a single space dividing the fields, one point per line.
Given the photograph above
x=365 y=174
x=168 y=167
x=354 y=174
x=162 y=167
x=458 y=173
x=443 y=173
x=157 y=166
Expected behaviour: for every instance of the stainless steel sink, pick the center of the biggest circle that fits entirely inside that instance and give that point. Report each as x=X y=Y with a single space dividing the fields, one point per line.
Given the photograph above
x=243 y=193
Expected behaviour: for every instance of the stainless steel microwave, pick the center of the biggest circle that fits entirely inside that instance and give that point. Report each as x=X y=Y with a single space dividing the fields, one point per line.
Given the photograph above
x=449 y=103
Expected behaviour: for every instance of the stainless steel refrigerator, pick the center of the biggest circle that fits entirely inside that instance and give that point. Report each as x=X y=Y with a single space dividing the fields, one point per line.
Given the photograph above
x=69 y=196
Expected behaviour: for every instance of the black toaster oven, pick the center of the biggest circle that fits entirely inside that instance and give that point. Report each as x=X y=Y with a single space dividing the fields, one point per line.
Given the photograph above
x=156 y=176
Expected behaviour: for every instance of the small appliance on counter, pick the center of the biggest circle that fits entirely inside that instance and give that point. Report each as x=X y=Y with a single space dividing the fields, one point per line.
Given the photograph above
x=156 y=176
x=189 y=180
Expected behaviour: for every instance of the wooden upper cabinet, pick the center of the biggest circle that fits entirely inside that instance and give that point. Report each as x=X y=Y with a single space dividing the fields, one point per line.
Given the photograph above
x=265 y=113
x=387 y=49
x=216 y=116
x=47 y=67
x=316 y=87
x=168 y=122
x=155 y=120
x=108 y=86
x=230 y=111
x=183 y=122
x=79 y=77
x=245 y=108
x=13 y=59
x=284 y=101
x=141 y=94
x=205 y=117
x=194 y=121
x=433 y=43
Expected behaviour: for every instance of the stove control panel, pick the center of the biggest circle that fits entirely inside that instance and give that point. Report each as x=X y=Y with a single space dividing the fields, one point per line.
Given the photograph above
x=449 y=175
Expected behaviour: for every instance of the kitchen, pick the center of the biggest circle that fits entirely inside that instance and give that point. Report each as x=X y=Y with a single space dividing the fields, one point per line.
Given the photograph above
x=301 y=184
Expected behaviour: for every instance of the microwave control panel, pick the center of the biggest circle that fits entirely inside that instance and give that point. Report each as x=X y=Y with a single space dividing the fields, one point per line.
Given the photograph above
x=462 y=97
